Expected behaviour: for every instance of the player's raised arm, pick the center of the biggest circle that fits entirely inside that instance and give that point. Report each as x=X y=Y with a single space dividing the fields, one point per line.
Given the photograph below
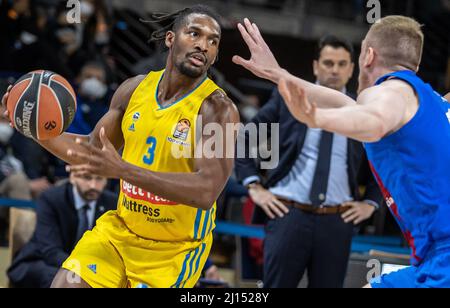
x=263 y=64
x=367 y=121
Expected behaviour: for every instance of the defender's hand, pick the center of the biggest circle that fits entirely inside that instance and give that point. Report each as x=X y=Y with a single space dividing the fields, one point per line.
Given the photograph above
x=262 y=62
x=104 y=162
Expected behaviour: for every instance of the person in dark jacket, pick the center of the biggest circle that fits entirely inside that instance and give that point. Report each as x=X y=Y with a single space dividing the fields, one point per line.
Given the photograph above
x=64 y=213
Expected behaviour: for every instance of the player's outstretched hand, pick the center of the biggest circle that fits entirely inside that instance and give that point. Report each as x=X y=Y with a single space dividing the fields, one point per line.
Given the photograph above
x=262 y=62
x=297 y=101
x=104 y=162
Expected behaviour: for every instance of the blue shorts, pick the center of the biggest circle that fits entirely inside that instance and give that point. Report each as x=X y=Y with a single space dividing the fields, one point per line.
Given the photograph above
x=433 y=272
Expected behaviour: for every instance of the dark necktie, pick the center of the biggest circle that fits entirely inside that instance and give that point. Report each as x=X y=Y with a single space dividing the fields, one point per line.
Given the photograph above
x=83 y=224
x=320 y=183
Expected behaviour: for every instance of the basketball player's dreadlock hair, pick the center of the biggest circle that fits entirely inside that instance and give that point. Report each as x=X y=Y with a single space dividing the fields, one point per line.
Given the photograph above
x=172 y=22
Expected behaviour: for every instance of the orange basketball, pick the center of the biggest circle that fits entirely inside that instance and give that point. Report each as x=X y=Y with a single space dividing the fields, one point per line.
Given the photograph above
x=41 y=105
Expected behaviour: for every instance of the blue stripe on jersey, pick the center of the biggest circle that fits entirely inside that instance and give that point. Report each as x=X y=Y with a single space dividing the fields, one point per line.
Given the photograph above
x=197 y=223
x=199 y=258
x=212 y=221
x=183 y=271
x=205 y=223
x=191 y=265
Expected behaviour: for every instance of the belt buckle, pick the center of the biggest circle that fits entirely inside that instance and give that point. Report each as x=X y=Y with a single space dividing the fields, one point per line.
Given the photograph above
x=321 y=209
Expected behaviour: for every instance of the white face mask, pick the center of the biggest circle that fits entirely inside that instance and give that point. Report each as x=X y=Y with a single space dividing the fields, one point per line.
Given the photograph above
x=249 y=112
x=6 y=132
x=93 y=88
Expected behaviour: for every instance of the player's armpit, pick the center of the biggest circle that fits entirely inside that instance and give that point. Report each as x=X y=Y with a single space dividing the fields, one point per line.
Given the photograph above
x=112 y=120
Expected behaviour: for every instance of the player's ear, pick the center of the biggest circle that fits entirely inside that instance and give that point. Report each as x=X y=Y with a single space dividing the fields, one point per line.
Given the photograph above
x=170 y=37
x=316 y=67
x=370 y=57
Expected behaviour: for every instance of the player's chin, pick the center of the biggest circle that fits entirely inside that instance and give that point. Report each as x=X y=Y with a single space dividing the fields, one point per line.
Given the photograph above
x=193 y=71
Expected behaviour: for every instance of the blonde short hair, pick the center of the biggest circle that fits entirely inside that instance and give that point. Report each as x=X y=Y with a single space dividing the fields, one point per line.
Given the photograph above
x=398 y=40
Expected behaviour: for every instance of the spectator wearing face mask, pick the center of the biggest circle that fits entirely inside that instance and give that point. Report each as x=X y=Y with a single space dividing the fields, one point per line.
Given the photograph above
x=92 y=98
x=98 y=23
x=85 y=41
x=26 y=40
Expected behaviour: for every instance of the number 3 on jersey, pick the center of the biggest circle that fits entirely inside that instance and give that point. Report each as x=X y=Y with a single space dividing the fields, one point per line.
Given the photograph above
x=150 y=156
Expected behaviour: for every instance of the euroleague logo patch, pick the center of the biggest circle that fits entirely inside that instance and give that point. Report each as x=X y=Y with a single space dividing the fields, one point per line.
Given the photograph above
x=50 y=125
x=182 y=129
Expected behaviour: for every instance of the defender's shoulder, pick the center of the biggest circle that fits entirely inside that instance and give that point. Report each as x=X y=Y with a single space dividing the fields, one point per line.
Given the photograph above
x=389 y=90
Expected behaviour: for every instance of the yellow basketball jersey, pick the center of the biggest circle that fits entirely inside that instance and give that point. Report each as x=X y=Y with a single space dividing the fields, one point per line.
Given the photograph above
x=162 y=139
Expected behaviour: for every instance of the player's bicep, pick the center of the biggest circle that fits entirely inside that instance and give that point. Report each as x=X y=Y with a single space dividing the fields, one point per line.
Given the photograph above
x=387 y=109
x=112 y=122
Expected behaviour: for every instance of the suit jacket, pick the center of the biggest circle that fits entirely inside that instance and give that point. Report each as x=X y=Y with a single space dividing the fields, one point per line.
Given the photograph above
x=56 y=230
x=291 y=141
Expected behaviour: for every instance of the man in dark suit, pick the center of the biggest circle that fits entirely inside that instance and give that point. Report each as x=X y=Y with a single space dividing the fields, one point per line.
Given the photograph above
x=64 y=213
x=312 y=197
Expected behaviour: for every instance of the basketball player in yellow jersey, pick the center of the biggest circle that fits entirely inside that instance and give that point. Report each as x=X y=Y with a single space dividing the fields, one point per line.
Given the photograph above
x=161 y=233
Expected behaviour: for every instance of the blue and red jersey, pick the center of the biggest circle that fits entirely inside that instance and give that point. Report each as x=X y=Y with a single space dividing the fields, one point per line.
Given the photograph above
x=412 y=167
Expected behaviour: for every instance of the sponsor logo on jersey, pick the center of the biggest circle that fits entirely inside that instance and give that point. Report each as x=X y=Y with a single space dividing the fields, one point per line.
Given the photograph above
x=93 y=268
x=182 y=129
x=136 y=117
x=137 y=193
